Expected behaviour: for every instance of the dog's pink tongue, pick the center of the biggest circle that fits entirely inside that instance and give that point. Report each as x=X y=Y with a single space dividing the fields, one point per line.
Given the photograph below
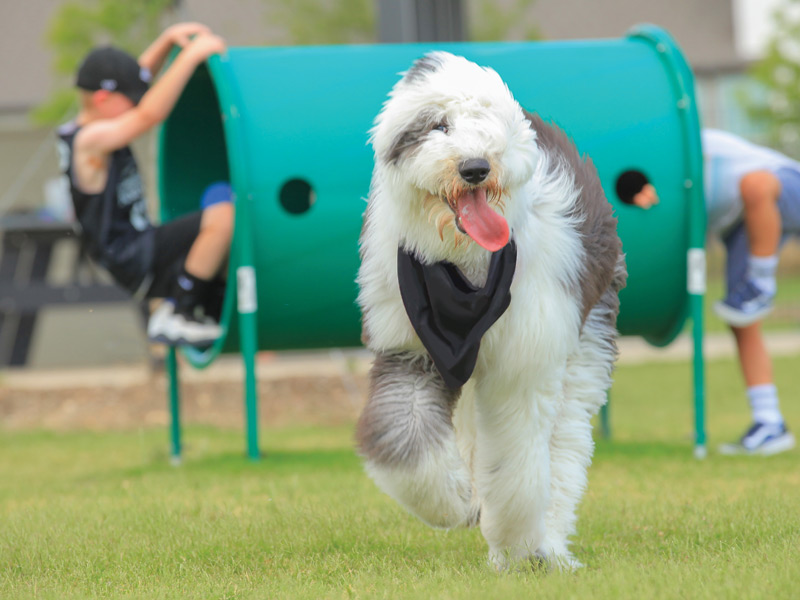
x=481 y=223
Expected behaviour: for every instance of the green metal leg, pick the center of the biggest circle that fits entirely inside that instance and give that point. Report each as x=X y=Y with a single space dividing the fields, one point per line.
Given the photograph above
x=700 y=449
x=248 y=340
x=174 y=406
x=251 y=397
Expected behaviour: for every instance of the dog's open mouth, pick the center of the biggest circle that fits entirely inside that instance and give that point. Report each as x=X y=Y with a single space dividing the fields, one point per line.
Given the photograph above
x=475 y=218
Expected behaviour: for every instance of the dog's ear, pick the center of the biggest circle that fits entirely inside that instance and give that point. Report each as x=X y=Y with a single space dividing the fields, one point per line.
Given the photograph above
x=422 y=67
x=413 y=135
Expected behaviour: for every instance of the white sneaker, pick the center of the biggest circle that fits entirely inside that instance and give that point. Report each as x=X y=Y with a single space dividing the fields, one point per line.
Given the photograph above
x=158 y=323
x=176 y=329
x=763 y=439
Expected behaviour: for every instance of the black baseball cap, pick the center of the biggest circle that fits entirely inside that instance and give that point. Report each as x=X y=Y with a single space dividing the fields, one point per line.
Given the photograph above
x=112 y=69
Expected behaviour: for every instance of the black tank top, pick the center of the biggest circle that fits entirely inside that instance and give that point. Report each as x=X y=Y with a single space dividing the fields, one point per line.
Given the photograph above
x=114 y=222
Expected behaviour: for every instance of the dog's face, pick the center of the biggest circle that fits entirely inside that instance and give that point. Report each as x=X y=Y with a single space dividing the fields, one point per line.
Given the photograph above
x=452 y=133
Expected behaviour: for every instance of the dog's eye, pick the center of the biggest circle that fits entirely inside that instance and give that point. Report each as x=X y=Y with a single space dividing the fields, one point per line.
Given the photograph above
x=441 y=127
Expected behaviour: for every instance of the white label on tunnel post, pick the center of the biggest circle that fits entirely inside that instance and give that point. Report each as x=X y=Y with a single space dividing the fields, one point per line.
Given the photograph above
x=696 y=283
x=246 y=288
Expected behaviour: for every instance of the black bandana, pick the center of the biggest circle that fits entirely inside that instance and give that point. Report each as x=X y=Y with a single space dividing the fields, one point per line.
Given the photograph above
x=449 y=314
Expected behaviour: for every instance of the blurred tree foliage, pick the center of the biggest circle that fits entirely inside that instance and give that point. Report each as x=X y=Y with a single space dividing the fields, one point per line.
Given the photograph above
x=354 y=21
x=326 y=22
x=774 y=104
x=78 y=26
x=489 y=20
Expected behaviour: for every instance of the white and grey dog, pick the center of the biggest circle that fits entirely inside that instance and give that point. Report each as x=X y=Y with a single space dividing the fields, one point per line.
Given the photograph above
x=470 y=191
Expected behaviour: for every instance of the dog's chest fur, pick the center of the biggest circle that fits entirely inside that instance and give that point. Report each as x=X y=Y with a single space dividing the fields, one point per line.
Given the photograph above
x=543 y=319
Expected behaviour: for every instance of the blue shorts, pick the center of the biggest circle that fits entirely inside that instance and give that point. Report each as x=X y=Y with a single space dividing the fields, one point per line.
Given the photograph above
x=736 y=241
x=215 y=193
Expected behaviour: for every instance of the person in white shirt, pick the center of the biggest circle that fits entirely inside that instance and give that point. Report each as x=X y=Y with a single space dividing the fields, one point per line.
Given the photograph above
x=752 y=197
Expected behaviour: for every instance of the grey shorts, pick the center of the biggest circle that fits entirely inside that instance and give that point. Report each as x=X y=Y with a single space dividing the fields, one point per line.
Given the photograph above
x=736 y=242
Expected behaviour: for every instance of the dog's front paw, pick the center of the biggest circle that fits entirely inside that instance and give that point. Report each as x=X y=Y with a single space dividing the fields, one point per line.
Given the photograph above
x=563 y=562
x=560 y=560
x=508 y=560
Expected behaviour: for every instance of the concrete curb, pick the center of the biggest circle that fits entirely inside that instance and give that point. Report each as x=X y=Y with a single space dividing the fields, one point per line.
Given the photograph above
x=344 y=363
x=634 y=350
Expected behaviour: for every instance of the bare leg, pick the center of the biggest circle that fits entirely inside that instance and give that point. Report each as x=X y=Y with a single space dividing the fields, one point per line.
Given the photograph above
x=750 y=291
x=760 y=191
x=210 y=249
x=768 y=434
x=754 y=357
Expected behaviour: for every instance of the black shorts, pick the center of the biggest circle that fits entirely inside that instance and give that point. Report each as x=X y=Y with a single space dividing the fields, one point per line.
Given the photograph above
x=172 y=243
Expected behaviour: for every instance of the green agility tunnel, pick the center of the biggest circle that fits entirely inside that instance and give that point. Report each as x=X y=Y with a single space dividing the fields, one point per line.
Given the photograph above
x=288 y=128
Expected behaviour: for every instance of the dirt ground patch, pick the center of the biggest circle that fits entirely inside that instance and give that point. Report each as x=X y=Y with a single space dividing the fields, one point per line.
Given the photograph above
x=292 y=400
x=320 y=388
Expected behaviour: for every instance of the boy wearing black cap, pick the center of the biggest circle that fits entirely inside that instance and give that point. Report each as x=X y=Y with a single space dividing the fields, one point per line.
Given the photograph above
x=179 y=259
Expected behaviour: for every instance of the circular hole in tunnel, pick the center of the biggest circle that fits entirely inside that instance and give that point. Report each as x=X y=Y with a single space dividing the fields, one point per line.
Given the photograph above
x=630 y=183
x=296 y=196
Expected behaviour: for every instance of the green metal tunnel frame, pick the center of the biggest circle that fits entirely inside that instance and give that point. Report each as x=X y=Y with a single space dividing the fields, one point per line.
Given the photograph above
x=252 y=315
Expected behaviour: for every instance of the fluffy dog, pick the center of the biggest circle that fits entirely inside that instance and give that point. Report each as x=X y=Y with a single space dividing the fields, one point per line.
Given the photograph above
x=489 y=256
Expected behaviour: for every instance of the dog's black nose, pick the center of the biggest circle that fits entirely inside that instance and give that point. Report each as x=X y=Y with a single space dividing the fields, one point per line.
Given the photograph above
x=474 y=170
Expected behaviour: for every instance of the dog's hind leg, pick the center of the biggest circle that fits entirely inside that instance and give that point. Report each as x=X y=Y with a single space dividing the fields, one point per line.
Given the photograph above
x=406 y=436
x=571 y=445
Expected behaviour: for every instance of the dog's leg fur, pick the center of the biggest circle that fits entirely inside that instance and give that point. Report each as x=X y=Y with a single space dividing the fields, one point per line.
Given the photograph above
x=512 y=464
x=571 y=445
x=406 y=436
x=464 y=423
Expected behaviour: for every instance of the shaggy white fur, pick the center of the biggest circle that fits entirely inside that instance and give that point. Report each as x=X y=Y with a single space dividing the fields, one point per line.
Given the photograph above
x=511 y=451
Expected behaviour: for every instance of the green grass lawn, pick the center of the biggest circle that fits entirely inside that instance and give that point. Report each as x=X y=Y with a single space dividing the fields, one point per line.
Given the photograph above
x=89 y=515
